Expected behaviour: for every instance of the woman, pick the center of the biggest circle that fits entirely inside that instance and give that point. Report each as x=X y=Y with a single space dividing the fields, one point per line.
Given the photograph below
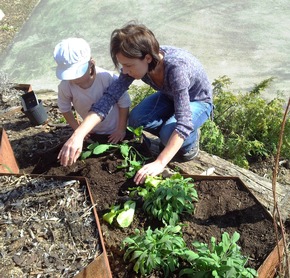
x=182 y=103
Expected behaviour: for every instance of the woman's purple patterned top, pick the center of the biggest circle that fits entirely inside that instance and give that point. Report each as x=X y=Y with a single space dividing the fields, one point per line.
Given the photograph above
x=185 y=80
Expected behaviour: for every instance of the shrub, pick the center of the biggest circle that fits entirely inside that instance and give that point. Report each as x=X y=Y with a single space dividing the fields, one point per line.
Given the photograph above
x=246 y=127
x=138 y=93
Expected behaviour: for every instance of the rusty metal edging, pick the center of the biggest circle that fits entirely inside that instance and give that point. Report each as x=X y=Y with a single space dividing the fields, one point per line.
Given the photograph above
x=8 y=163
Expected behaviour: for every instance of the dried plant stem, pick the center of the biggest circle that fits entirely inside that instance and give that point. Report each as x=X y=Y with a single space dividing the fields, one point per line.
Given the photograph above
x=276 y=208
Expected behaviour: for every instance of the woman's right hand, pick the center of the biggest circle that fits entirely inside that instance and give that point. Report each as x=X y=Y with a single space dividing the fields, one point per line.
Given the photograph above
x=71 y=150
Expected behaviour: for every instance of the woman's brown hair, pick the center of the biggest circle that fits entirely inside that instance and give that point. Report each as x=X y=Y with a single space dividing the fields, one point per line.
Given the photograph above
x=134 y=41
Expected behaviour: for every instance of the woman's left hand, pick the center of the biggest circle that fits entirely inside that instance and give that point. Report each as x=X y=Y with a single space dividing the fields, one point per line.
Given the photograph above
x=152 y=169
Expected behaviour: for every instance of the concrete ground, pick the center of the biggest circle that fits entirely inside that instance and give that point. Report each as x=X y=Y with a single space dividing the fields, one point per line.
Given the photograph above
x=246 y=40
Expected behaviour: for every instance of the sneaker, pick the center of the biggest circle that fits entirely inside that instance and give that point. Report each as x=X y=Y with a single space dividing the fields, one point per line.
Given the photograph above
x=191 y=154
x=147 y=141
x=193 y=151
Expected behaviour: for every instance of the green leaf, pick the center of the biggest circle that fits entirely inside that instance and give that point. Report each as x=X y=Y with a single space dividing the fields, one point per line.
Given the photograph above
x=124 y=149
x=85 y=155
x=235 y=237
x=136 y=131
x=135 y=255
x=109 y=216
x=93 y=146
x=190 y=255
x=102 y=148
x=125 y=218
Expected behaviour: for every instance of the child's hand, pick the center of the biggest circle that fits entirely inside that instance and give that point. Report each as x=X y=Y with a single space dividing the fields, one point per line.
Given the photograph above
x=117 y=136
x=71 y=150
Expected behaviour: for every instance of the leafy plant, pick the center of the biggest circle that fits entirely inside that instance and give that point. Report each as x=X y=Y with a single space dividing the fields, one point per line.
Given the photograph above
x=7 y=27
x=245 y=126
x=166 y=199
x=110 y=216
x=132 y=158
x=123 y=216
x=217 y=260
x=152 y=250
x=166 y=249
x=138 y=93
x=212 y=138
x=97 y=148
x=138 y=132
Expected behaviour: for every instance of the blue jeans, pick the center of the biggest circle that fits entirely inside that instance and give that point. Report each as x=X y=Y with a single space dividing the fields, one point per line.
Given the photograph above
x=156 y=114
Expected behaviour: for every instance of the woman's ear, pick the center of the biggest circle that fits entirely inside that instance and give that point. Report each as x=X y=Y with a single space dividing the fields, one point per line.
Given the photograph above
x=148 y=58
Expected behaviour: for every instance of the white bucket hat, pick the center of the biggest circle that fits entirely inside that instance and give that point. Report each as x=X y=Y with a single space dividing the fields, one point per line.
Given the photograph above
x=72 y=56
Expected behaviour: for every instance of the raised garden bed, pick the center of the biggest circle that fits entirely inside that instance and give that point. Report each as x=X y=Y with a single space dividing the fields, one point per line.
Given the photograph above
x=49 y=228
x=8 y=162
x=224 y=205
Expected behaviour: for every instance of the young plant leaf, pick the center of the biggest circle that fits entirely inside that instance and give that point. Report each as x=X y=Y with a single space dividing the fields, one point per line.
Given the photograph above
x=136 y=131
x=85 y=155
x=102 y=148
x=93 y=146
x=125 y=217
x=153 y=181
x=109 y=216
x=124 y=149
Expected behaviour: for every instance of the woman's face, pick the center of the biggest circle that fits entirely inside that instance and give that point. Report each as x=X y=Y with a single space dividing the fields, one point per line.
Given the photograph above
x=136 y=68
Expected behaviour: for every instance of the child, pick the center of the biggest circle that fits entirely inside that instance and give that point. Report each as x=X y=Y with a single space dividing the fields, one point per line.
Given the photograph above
x=83 y=84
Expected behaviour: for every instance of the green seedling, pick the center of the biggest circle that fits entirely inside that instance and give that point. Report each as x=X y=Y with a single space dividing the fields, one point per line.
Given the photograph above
x=132 y=159
x=153 y=181
x=96 y=149
x=166 y=199
x=123 y=216
x=217 y=260
x=152 y=250
x=109 y=216
x=61 y=120
x=138 y=132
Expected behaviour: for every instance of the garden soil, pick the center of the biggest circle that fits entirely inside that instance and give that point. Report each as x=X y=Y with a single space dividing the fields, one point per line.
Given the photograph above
x=223 y=206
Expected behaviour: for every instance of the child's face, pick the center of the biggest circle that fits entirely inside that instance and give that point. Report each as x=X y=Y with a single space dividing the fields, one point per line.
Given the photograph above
x=136 y=68
x=85 y=80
